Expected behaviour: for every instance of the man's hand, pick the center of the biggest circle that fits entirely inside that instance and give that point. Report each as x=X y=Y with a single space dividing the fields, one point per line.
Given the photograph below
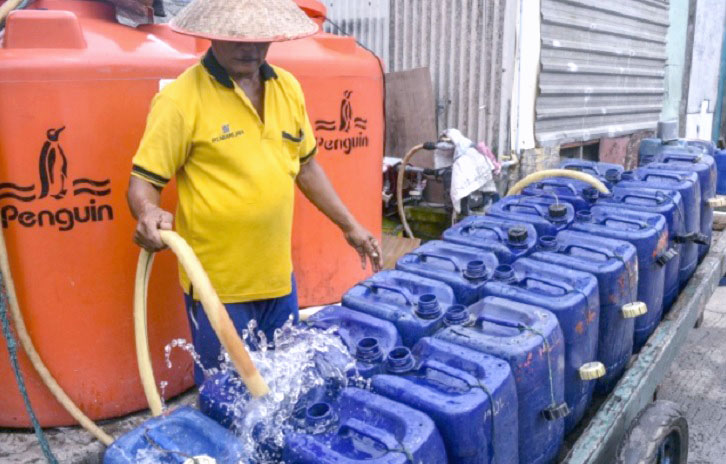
x=366 y=245
x=151 y=220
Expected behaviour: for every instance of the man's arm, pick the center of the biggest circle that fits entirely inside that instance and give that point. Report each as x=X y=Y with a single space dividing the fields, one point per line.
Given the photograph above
x=317 y=188
x=144 y=199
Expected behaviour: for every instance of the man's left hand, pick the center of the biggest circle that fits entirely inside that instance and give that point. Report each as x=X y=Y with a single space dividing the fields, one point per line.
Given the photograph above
x=366 y=245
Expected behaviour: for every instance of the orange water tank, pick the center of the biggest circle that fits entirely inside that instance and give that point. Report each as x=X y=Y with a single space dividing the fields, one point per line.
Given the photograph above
x=75 y=87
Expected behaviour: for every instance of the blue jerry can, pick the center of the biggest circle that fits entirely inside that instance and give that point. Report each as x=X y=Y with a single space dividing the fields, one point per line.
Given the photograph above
x=669 y=203
x=530 y=340
x=614 y=263
x=463 y=268
x=608 y=173
x=573 y=297
x=689 y=188
x=471 y=397
x=508 y=240
x=368 y=338
x=721 y=168
x=562 y=188
x=360 y=426
x=547 y=215
x=648 y=233
x=174 y=438
x=705 y=168
x=414 y=304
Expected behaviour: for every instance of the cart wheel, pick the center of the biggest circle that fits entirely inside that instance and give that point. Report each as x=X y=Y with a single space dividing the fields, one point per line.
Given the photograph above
x=659 y=435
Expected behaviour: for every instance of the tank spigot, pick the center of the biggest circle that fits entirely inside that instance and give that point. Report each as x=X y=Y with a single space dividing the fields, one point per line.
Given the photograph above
x=548 y=243
x=583 y=216
x=517 y=235
x=557 y=212
x=475 y=270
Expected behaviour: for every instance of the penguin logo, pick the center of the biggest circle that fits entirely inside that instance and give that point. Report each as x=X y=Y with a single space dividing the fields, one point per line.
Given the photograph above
x=53 y=167
x=346 y=112
x=347 y=120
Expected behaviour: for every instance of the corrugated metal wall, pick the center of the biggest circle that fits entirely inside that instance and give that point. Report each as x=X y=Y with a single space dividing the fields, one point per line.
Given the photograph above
x=461 y=41
x=603 y=67
x=367 y=20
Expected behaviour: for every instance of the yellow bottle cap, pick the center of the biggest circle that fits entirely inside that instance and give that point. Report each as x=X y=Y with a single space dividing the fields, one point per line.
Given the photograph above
x=634 y=309
x=592 y=370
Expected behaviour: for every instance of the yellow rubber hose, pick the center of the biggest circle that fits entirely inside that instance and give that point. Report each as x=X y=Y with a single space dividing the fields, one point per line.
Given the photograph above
x=214 y=309
x=7 y=7
x=399 y=188
x=540 y=175
x=34 y=357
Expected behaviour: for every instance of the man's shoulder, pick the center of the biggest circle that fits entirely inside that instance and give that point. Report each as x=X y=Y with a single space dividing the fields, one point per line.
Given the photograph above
x=183 y=87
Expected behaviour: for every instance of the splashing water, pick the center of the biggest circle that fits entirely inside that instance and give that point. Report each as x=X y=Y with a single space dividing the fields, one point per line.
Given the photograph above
x=298 y=363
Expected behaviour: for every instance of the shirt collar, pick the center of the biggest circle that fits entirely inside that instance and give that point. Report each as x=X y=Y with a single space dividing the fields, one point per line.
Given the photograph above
x=220 y=74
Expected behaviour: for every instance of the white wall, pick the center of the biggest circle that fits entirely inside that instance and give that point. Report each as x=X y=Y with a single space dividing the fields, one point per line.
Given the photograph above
x=705 y=65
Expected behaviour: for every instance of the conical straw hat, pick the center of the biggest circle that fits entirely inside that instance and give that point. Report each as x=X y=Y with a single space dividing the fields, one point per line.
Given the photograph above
x=244 y=20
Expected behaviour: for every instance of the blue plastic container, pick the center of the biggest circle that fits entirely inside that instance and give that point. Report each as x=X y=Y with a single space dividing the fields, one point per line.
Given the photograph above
x=184 y=432
x=530 y=340
x=414 y=304
x=705 y=168
x=615 y=265
x=463 y=268
x=688 y=186
x=705 y=147
x=564 y=189
x=547 y=215
x=721 y=168
x=508 y=240
x=368 y=338
x=669 y=203
x=573 y=297
x=648 y=233
x=360 y=426
x=606 y=172
x=471 y=397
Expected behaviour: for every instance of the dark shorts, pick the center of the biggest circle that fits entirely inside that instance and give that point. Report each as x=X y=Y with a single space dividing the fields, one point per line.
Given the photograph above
x=269 y=314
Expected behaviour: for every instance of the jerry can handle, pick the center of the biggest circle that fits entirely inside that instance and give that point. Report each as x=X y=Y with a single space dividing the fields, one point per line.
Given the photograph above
x=425 y=254
x=387 y=439
x=469 y=379
x=552 y=183
x=640 y=224
x=695 y=158
x=658 y=196
x=493 y=320
x=519 y=203
x=667 y=175
x=666 y=256
x=560 y=285
x=494 y=229
x=695 y=237
x=592 y=170
x=605 y=253
x=374 y=286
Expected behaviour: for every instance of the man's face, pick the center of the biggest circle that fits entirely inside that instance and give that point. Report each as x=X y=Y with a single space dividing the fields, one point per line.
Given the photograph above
x=240 y=58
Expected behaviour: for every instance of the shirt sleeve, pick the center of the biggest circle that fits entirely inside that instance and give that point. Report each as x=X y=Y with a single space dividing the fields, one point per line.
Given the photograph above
x=309 y=144
x=165 y=144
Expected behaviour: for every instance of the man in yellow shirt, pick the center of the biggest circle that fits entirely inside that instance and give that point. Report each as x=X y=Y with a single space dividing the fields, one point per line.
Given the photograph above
x=235 y=132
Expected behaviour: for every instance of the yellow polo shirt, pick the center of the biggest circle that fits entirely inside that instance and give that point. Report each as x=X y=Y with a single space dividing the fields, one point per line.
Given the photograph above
x=235 y=173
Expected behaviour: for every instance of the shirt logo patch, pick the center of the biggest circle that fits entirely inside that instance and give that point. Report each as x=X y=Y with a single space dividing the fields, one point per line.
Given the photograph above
x=227 y=133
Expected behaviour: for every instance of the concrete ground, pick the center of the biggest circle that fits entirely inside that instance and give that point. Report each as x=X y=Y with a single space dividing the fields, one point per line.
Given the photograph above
x=697 y=381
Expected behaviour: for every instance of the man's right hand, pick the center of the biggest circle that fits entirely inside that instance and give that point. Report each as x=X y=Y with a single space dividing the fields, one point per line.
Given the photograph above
x=147 y=230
